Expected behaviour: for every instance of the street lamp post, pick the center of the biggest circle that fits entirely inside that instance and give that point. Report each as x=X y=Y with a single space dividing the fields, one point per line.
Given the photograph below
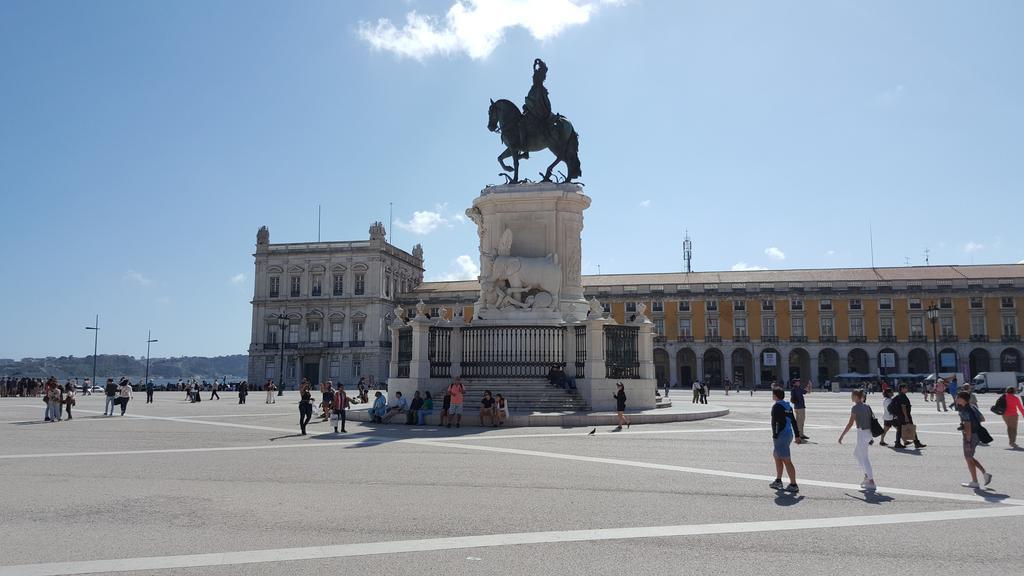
x=149 y=340
x=933 y=317
x=282 y=322
x=95 y=346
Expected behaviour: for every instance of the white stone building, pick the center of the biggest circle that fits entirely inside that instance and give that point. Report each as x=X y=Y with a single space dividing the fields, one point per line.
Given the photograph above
x=333 y=302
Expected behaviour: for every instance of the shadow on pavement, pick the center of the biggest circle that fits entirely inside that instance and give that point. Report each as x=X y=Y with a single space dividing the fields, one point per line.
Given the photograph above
x=871 y=497
x=783 y=498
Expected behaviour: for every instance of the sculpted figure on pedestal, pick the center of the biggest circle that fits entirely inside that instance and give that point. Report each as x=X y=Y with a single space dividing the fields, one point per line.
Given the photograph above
x=518 y=282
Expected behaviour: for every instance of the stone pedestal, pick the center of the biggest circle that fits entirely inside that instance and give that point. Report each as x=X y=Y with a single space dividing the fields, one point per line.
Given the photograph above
x=530 y=257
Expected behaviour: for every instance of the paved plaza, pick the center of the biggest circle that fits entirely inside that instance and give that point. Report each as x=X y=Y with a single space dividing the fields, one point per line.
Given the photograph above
x=217 y=488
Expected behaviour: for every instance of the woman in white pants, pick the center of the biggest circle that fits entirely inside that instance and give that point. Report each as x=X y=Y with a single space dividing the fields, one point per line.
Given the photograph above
x=861 y=415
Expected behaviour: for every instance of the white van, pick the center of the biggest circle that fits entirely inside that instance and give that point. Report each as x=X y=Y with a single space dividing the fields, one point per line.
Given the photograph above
x=994 y=381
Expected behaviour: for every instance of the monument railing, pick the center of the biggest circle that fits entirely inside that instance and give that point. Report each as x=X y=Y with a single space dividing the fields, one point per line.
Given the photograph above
x=439 y=351
x=622 y=352
x=581 y=350
x=512 y=352
x=404 y=351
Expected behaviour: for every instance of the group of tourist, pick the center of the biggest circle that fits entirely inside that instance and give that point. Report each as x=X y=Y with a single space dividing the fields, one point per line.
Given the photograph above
x=493 y=409
x=787 y=423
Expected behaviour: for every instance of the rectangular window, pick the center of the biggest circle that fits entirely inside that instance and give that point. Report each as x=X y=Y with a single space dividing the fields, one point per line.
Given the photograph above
x=316 y=287
x=273 y=333
x=657 y=306
x=684 y=305
x=946 y=303
x=296 y=286
x=1009 y=326
x=828 y=328
x=916 y=326
x=856 y=326
x=977 y=325
x=434 y=313
x=314 y=330
x=335 y=368
x=740 y=327
x=885 y=325
x=855 y=304
x=685 y=329
x=915 y=303
x=946 y=326
x=357 y=369
x=797 y=326
x=630 y=306
x=360 y=284
x=1005 y=302
x=275 y=286
x=739 y=305
x=293 y=333
x=712 y=305
x=339 y=284
x=337 y=331
x=885 y=303
x=796 y=304
x=357 y=330
x=659 y=326
x=768 y=327
x=713 y=327
x=271 y=370
x=825 y=304
x=767 y=305
x=977 y=304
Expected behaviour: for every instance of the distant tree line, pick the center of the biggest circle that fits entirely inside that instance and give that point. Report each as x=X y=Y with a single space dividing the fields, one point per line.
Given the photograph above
x=234 y=367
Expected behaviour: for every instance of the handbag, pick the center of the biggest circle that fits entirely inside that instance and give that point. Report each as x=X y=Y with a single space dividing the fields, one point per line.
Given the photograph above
x=999 y=408
x=983 y=435
x=908 y=432
x=876 y=428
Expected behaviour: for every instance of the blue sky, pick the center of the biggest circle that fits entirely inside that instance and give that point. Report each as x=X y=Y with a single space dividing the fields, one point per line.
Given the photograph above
x=143 y=143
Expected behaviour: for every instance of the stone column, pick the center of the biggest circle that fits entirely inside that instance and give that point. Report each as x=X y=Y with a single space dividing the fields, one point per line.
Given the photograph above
x=813 y=376
x=456 y=352
x=673 y=369
x=645 y=347
x=419 y=367
x=595 y=368
x=395 y=327
x=569 y=349
x=727 y=366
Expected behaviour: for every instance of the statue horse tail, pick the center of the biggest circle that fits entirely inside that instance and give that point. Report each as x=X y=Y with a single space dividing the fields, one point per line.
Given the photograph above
x=572 y=156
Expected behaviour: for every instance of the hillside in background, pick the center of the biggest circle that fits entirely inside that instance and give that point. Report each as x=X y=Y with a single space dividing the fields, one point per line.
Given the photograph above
x=115 y=365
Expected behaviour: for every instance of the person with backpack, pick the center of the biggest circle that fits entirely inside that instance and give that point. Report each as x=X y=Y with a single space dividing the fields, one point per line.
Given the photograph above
x=784 y=430
x=110 y=390
x=861 y=415
x=887 y=416
x=904 y=421
x=1011 y=409
x=974 y=434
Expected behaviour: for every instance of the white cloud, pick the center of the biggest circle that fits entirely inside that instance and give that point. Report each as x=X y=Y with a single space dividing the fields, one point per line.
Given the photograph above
x=475 y=27
x=774 y=253
x=423 y=222
x=744 y=267
x=238 y=278
x=971 y=247
x=462 y=268
x=137 y=277
x=830 y=252
x=645 y=203
x=1021 y=262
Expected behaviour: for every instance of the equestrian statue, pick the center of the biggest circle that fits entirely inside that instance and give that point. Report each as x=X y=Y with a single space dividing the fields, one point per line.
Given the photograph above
x=534 y=129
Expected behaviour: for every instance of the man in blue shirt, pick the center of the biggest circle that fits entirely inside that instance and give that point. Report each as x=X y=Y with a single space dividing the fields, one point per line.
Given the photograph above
x=796 y=397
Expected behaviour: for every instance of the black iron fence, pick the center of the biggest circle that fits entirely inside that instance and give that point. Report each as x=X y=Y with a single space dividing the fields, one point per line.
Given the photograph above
x=404 y=351
x=621 y=352
x=439 y=351
x=581 y=350
x=511 y=351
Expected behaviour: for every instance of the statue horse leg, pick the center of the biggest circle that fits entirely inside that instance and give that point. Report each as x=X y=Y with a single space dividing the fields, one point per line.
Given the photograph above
x=547 y=173
x=508 y=153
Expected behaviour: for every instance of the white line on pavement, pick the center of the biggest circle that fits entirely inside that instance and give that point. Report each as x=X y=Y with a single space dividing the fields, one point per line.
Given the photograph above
x=490 y=540
x=708 y=472
x=183 y=450
x=582 y=432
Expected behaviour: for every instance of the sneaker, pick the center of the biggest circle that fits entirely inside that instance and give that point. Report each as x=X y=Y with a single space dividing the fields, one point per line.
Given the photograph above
x=970 y=485
x=883 y=443
x=793 y=488
x=777 y=485
x=988 y=478
x=864 y=482
x=870 y=486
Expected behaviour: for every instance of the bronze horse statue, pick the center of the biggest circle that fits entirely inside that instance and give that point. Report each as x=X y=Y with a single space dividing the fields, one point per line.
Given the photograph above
x=522 y=137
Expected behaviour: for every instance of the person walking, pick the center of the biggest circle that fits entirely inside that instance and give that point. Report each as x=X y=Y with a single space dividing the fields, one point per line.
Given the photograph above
x=861 y=415
x=149 y=392
x=704 y=393
x=796 y=398
x=904 y=421
x=620 y=406
x=446 y=405
x=341 y=404
x=53 y=396
x=939 y=392
x=269 y=389
x=305 y=406
x=970 y=418
x=124 y=394
x=69 y=398
x=243 y=391
x=887 y=416
x=110 y=391
x=1011 y=411
x=213 y=390
x=784 y=430
x=458 y=392
x=696 y=392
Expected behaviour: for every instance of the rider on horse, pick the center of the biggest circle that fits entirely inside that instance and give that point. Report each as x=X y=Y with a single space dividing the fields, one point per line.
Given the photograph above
x=537 y=114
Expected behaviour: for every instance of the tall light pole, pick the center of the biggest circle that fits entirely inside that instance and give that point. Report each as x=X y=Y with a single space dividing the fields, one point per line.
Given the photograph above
x=933 y=317
x=95 y=346
x=282 y=322
x=149 y=340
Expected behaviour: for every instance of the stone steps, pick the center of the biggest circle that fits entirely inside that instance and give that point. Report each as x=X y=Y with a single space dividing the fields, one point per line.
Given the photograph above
x=524 y=395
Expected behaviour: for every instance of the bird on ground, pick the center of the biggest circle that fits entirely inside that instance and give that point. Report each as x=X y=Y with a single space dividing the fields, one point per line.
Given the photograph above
x=592 y=432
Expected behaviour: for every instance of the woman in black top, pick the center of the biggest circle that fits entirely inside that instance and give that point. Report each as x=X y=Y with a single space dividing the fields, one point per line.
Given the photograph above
x=620 y=406
x=487 y=408
x=305 y=407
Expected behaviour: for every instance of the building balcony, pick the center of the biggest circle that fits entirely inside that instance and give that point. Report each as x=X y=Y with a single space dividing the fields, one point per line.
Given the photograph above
x=336 y=344
x=770 y=339
x=888 y=338
x=948 y=338
x=741 y=339
x=713 y=339
x=798 y=339
x=979 y=337
x=684 y=338
x=271 y=345
x=291 y=345
x=356 y=343
x=1008 y=338
x=858 y=339
x=827 y=339
x=659 y=339
x=918 y=338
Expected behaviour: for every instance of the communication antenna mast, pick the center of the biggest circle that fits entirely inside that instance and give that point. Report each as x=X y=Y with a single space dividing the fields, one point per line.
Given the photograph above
x=927 y=253
x=687 y=253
